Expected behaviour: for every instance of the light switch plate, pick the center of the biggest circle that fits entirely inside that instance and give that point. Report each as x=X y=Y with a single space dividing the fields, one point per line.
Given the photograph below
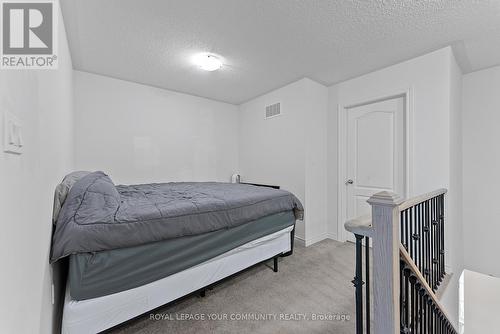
x=12 y=134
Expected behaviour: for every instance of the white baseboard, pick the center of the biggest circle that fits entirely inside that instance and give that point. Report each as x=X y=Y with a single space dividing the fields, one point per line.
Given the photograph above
x=311 y=241
x=447 y=269
x=332 y=236
x=299 y=241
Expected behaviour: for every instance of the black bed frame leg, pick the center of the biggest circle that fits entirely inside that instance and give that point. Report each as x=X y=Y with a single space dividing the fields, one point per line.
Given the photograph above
x=275 y=267
x=203 y=293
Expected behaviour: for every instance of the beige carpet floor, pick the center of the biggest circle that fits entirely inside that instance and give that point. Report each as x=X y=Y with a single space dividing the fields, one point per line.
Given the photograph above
x=311 y=293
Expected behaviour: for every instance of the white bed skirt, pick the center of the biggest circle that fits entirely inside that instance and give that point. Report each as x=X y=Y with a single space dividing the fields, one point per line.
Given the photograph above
x=94 y=315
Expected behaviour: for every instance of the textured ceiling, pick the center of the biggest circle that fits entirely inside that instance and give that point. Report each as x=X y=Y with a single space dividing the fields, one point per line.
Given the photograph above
x=266 y=44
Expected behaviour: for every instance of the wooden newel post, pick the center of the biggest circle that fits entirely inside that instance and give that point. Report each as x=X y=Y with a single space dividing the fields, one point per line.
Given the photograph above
x=385 y=222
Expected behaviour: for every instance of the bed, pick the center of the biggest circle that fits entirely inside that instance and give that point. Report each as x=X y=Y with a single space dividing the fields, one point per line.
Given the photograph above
x=134 y=248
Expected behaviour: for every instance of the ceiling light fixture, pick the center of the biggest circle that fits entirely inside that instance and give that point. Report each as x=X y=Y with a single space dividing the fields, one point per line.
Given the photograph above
x=207 y=62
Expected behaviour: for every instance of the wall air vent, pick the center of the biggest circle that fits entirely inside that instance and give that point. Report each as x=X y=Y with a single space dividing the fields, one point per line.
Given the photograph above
x=273 y=110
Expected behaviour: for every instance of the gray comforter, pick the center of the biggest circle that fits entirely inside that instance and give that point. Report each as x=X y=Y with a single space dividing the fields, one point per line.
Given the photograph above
x=97 y=215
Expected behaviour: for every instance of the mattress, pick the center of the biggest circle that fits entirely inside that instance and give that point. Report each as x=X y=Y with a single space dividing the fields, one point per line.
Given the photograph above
x=97 y=314
x=102 y=273
x=99 y=216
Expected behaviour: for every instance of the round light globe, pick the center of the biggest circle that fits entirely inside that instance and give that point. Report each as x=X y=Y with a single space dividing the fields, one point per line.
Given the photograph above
x=207 y=62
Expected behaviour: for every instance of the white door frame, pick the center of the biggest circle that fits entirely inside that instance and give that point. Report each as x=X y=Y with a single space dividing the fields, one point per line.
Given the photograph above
x=343 y=108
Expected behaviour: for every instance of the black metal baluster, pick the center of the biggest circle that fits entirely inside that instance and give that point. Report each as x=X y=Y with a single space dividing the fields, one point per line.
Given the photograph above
x=438 y=242
x=411 y=213
x=426 y=314
x=367 y=279
x=418 y=232
x=433 y=244
x=423 y=237
x=414 y=235
x=428 y=241
x=440 y=262
x=410 y=234
x=401 y=295
x=421 y=292
x=431 y=312
x=438 y=238
x=438 y=322
x=425 y=232
x=442 y=251
x=412 y=280
x=420 y=236
x=406 y=231
x=421 y=222
x=441 y=238
x=406 y=273
x=436 y=252
x=401 y=219
x=358 y=284
x=436 y=319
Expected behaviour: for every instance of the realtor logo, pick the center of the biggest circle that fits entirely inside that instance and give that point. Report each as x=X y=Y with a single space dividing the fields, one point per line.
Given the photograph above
x=28 y=35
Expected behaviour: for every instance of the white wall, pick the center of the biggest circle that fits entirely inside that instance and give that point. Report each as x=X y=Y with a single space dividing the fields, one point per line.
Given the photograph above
x=434 y=83
x=315 y=126
x=289 y=150
x=42 y=100
x=455 y=235
x=481 y=302
x=481 y=175
x=332 y=162
x=141 y=134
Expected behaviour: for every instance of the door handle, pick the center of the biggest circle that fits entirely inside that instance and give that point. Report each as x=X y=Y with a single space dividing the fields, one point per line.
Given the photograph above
x=349 y=182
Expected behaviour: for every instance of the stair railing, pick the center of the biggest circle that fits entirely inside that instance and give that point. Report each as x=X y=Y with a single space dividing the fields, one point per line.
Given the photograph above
x=408 y=265
x=421 y=311
x=422 y=234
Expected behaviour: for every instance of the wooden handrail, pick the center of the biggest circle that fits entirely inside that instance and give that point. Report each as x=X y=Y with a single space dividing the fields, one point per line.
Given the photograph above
x=361 y=225
x=408 y=260
x=421 y=198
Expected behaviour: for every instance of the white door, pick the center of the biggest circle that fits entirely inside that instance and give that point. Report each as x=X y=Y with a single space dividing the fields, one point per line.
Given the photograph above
x=375 y=154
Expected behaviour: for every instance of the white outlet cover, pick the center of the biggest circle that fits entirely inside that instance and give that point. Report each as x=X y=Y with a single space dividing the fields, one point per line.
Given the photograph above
x=12 y=134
